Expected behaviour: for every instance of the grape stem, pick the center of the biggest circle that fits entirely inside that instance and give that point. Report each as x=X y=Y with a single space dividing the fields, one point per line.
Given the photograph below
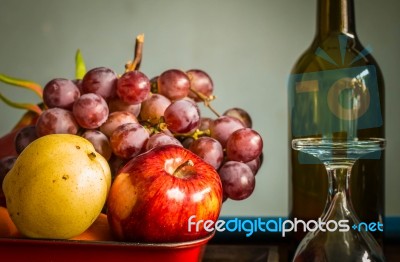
x=196 y=134
x=135 y=64
x=206 y=100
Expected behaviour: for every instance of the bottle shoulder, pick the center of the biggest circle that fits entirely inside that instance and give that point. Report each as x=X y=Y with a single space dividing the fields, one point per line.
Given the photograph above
x=335 y=52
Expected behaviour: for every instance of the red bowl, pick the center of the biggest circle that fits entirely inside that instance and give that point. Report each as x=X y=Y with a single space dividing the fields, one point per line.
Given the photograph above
x=78 y=250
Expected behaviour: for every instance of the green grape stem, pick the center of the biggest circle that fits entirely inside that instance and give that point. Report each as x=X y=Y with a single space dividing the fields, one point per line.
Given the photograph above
x=162 y=126
x=196 y=134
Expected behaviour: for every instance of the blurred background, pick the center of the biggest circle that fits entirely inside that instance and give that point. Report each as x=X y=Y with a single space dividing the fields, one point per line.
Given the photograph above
x=247 y=46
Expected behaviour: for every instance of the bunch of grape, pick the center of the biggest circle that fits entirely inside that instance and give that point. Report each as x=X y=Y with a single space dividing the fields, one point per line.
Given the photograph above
x=124 y=116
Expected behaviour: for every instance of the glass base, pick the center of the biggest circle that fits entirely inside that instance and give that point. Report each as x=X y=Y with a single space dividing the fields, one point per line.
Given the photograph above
x=338 y=235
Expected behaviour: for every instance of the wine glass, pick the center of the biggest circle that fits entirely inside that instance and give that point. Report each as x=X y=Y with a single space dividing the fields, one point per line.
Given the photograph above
x=340 y=235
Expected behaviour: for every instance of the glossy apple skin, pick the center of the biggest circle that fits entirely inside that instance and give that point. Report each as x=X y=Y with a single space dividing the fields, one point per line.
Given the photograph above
x=148 y=204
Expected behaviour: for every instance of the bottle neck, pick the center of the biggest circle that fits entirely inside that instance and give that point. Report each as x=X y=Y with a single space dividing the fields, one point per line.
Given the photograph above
x=335 y=17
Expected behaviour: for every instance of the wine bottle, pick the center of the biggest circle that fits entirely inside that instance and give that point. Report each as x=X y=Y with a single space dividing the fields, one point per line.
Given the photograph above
x=336 y=90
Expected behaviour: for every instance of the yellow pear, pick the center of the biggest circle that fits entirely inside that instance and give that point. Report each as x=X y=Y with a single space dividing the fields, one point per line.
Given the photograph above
x=57 y=187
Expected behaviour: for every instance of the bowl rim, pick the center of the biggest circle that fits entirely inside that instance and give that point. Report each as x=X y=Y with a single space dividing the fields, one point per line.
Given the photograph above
x=70 y=242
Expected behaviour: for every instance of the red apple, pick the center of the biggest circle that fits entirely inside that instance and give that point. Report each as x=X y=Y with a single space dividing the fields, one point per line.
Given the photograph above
x=154 y=195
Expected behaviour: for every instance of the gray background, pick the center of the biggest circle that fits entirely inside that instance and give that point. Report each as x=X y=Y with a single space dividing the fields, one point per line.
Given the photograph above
x=247 y=46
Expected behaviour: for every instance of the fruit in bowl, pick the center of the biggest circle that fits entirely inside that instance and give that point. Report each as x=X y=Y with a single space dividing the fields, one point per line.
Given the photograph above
x=155 y=139
x=155 y=194
x=57 y=187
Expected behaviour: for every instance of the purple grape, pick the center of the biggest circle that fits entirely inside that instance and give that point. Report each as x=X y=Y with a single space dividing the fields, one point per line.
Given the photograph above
x=187 y=141
x=205 y=123
x=244 y=145
x=128 y=140
x=240 y=114
x=99 y=141
x=116 y=163
x=153 y=108
x=56 y=121
x=255 y=164
x=116 y=104
x=182 y=116
x=238 y=181
x=222 y=127
x=101 y=81
x=133 y=87
x=60 y=92
x=161 y=139
x=6 y=163
x=201 y=82
x=154 y=85
x=174 y=84
x=90 y=111
x=115 y=120
x=24 y=137
x=209 y=149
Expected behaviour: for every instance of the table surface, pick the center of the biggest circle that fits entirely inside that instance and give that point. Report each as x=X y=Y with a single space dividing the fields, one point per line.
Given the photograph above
x=270 y=253
x=272 y=247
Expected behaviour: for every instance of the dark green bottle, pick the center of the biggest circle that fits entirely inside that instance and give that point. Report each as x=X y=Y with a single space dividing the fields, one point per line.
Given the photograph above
x=327 y=77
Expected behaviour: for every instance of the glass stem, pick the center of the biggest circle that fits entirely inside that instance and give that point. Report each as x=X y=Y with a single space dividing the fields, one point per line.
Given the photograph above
x=338 y=204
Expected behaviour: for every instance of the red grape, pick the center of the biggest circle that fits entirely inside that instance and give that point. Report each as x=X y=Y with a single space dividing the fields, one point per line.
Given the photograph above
x=240 y=114
x=128 y=140
x=24 y=137
x=56 y=121
x=205 y=123
x=6 y=163
x=115 y=104
x=201 y=82
x=174 y=84
x=166 y=131
x=90 y=111
x=238 y=181
x=186 y=142
x=160 y=139
x=115 y=120
x=124 y=116
x=60 y=92
x=133 y=87
x=255 y=164
x=244 y=145
x=154 y=84
x=101 y=81
x=99 y=141
x=182 y=116
x=153 y=108
x=222 y=127
x=209 y=149
x=78 y=83
x=116 y=163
